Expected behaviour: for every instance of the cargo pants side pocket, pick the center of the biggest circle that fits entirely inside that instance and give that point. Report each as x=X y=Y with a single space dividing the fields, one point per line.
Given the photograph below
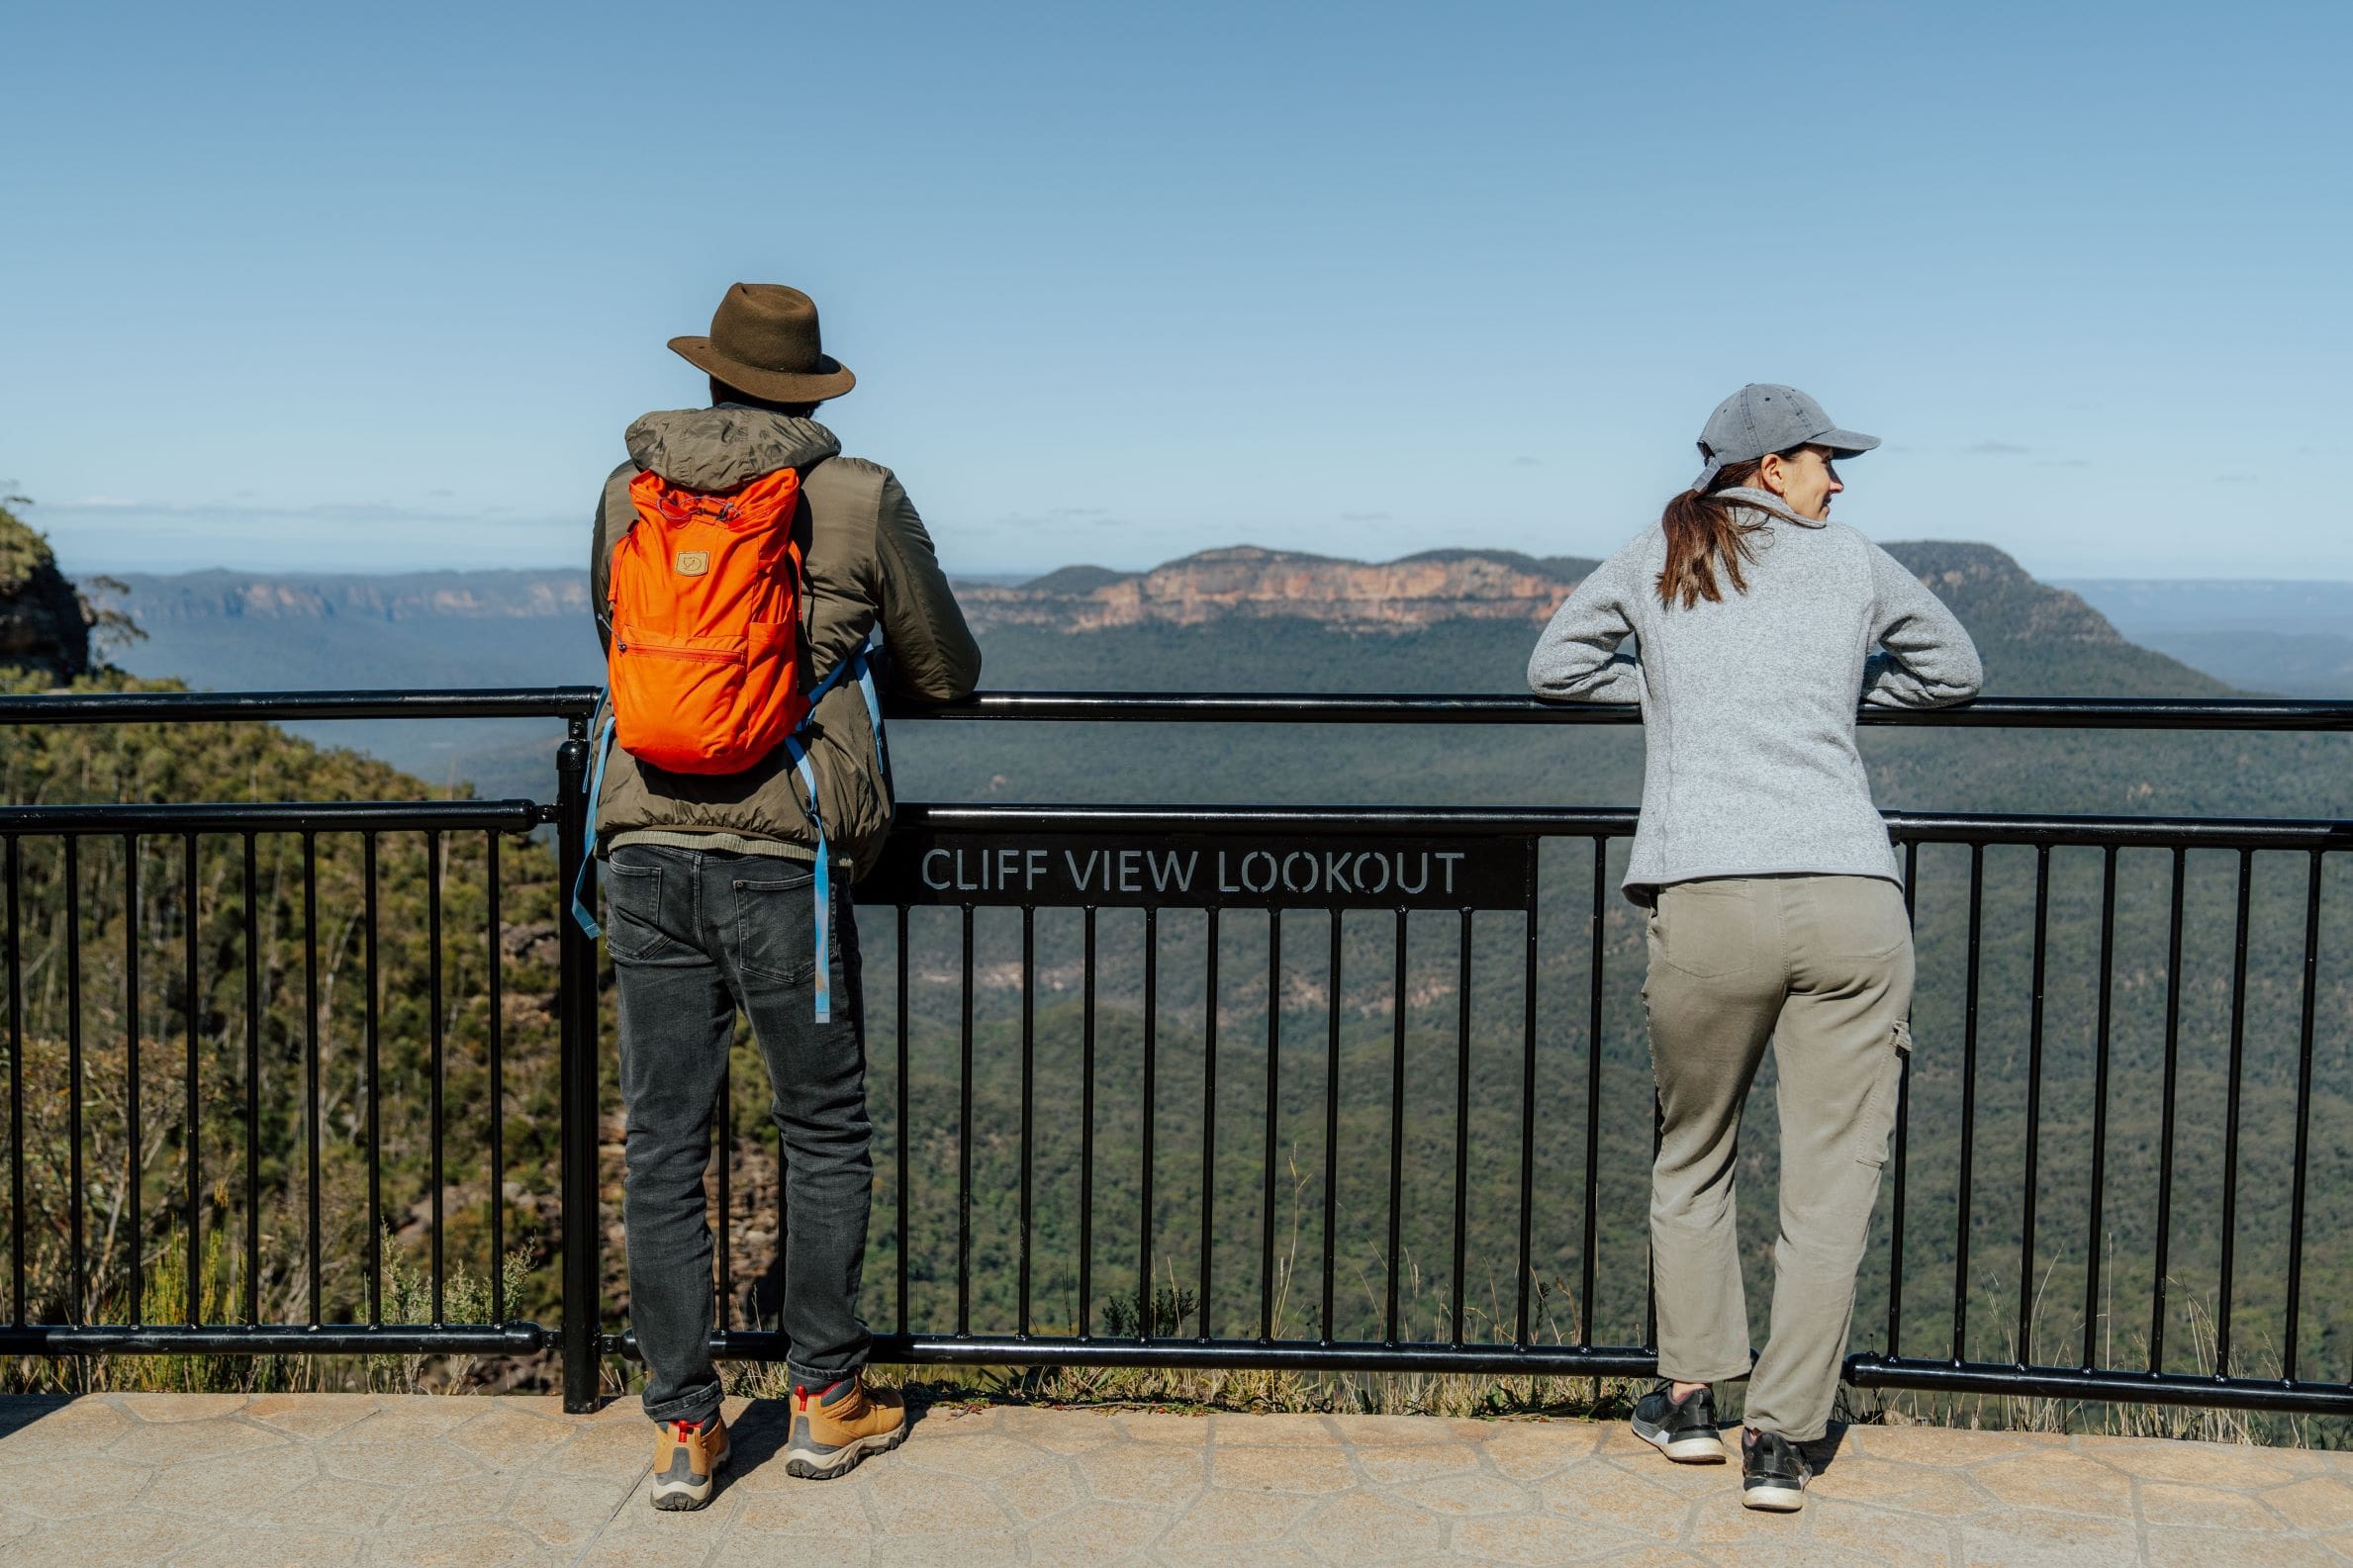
x=1878 y=1120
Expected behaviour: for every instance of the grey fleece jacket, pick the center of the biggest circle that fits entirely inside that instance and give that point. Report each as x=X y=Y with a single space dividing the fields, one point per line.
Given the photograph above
x=1750 y=767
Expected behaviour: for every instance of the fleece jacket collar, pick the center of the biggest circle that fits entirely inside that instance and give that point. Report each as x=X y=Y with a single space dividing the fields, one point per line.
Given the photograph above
x=1766 y=501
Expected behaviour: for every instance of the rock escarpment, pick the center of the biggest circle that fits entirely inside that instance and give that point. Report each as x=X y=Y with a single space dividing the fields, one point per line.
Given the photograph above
x=1984 y=585
x=45 y=625
x=411 y=596
x=1248 y=583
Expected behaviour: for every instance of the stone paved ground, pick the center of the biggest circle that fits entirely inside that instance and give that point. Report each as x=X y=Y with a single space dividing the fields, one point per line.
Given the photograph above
x=317 y=1480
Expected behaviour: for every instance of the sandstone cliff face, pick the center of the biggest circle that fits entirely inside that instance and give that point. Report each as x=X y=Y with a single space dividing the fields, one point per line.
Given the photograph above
x=228 y=595
x=1247 y=583
x=1984 y=585
x=44 y=624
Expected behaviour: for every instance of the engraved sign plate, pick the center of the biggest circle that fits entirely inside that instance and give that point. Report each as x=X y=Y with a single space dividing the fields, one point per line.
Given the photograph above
x=1206 y=870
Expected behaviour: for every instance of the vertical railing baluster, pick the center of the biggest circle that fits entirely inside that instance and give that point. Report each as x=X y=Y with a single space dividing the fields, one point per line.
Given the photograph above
x=2303 y=1115
x=2100 y=1026
x=724 y=1143
x=2173 y=1034
x=1527 y=1279
x=2238 y=1042
x=1588 y=1275
x=1964 y=1192
x=251 y=934
x=1086 y=1130
x=964 y=1141
x=372 y=1045
x=1461 y=1122
x=582 y=1336
x=310 y=1112
x=2026 y=1255
x=131 y=1096
x=900 y=1090
x=1273 y=1120
x=1651 y=1275
x=194 y=1293
x=1396 y=1136
x=1208 y=1275
x=432 y=970
x=1145 y=1325
x=785 y=1216
x=15 y=1096
x=497 y=1091
x=1331 y=1127
x=1902 y=1161
x=78 y=1242
x=1029 y=1094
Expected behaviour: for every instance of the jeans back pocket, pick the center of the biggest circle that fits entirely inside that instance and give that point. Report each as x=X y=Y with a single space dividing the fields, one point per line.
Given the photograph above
x=775 y=925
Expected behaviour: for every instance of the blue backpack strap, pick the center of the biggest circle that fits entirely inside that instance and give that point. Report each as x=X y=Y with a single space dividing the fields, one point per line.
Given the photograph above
x=595 y=791
x=861 y=664
x=873 y=705
x=808 y=781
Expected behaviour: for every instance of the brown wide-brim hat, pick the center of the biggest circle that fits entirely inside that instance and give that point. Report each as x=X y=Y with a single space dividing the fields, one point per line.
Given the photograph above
x=764 y=341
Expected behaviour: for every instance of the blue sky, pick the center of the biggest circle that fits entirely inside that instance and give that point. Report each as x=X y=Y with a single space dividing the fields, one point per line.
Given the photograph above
x=378 y=288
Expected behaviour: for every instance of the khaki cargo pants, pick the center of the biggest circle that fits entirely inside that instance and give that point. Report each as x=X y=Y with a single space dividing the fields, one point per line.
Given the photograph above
x=1821 y=966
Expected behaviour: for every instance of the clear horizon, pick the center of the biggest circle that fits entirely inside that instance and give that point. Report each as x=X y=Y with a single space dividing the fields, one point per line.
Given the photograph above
x=339 y=292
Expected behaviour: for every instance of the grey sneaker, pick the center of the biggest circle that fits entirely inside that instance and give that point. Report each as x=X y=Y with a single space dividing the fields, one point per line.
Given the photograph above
x=1684 y=1433
x=687 y=1460
x=1773 y=1474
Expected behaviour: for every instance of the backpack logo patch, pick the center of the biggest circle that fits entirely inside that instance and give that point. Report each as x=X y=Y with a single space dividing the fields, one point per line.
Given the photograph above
x=693 y=562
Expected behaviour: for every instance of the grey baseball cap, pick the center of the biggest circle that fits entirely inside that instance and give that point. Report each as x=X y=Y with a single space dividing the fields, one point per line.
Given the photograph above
x=1763 y=417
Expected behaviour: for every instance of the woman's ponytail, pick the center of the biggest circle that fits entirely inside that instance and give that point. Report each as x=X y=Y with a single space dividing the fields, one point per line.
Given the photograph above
x=1703 y=534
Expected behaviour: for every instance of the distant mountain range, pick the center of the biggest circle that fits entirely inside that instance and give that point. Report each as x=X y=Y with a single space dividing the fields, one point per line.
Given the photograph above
x=2295 y=639
x=1315 y=619
x=1243 y=582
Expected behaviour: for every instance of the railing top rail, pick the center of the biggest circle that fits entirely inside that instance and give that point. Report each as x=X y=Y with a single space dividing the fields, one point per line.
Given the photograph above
x=1299 y=708
x=1945 y=827
x=275 y=816
x=193 y=708
x=1227 y=708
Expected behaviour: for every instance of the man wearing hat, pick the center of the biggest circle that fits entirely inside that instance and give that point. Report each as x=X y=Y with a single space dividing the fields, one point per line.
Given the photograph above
x=712 y=879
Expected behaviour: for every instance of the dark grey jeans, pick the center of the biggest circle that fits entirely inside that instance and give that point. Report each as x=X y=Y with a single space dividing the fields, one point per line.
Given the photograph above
x=694 y=935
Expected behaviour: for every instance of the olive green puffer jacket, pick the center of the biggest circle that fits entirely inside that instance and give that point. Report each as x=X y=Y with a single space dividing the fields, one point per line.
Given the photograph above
x=868 y=563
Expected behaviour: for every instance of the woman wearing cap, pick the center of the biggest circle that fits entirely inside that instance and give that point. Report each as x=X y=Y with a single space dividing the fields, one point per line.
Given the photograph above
x=1749 y=625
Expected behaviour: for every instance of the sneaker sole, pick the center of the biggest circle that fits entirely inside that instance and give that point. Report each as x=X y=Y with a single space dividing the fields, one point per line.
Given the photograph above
x=1685 y=1450
x=821 y=1465
x=1773 y=1499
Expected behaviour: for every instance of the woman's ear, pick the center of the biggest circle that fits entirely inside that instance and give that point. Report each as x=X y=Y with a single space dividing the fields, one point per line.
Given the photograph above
x=1772 y=473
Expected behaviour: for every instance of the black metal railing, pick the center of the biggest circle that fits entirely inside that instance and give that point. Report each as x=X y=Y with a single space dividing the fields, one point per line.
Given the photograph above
x=1482 y=1104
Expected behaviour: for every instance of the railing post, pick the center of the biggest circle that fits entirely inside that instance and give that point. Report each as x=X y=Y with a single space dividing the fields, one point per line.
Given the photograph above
x=576 y=985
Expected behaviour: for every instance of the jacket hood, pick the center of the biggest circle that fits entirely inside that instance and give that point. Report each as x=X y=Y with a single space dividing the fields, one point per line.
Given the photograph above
x=720 y=448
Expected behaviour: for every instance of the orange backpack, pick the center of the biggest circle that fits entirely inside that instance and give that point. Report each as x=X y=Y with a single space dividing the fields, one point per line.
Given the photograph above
x=705 y=660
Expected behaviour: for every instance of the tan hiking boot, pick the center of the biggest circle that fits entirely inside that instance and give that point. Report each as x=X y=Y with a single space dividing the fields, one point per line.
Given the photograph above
x=833 y=1428
x=687 y=1460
